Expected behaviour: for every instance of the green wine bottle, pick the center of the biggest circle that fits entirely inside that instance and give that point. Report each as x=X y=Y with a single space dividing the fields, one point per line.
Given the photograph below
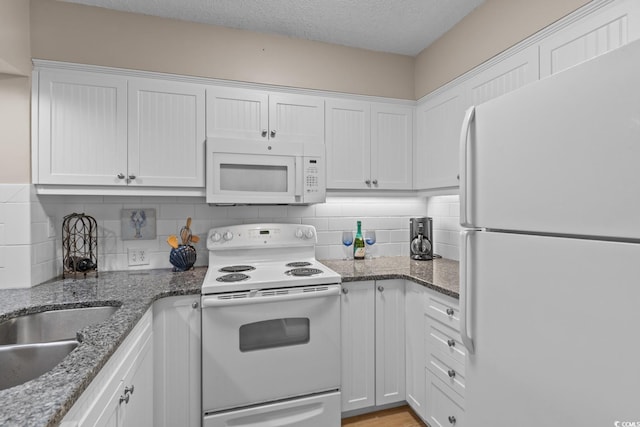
x=358 y=244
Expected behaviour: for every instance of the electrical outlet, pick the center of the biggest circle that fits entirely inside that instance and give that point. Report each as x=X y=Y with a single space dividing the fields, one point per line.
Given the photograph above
x=138 y=257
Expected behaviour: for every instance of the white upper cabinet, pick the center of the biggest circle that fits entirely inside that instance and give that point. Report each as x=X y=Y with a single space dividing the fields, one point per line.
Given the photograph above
x=505 y=76
x=259 y=115
x=82 y=128
x=369 y=145
x=348 y=144
x=438 y=128
x=166 y=133
x=109 y=131
x=598 y=33
x=440 y=117
x=391 y=147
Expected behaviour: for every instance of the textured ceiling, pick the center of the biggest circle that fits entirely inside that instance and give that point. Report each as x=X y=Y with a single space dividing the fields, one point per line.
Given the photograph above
x=399 y=26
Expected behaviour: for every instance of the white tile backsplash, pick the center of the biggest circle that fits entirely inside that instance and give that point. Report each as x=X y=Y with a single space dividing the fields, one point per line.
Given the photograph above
x=28 y=255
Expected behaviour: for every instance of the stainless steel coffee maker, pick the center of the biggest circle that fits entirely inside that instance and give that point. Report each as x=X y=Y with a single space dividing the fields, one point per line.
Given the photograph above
x=421 y=238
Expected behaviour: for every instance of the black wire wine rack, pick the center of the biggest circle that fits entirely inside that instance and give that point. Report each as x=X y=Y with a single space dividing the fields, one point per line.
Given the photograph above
x=79 y=245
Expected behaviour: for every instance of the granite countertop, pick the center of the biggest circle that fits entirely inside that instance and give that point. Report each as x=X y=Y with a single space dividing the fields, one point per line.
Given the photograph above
x=45 y=400
x=439 y=274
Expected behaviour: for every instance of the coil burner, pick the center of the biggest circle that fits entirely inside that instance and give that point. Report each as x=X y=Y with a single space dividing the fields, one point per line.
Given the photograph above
x=236 y=268
x=303 y=272
x=298 y=264
x=233 y=277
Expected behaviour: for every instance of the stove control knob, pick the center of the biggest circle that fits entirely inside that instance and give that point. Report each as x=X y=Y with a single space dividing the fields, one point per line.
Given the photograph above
x=308 y=234
x=215 y=237
x=227 y=235
x=299 y=233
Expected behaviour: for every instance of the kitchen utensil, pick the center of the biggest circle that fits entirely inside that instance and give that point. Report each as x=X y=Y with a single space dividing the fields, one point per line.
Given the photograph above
x=173 y=241
x=185 y=232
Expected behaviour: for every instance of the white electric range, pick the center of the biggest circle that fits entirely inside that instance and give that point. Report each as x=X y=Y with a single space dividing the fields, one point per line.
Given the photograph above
x=270 y=329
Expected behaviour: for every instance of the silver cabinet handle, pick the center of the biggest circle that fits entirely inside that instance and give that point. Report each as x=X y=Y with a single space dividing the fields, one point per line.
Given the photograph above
x=380 y=288
x=450 y=311
x=264 y=133
x=273 y=134
x=132 y=177
x=368 y=182
x=121 y=176
x=374 y=182
x=451 y=343
x=452 y=419
x=194 y=304
x=451 y=373
x=128 y=390
x=124 y=398
x=345 y=291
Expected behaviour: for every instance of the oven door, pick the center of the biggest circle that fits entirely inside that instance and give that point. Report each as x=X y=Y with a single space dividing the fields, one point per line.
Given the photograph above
x=262 y=346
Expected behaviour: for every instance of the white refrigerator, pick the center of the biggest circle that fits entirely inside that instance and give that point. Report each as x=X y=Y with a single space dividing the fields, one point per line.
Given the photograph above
x=550 y=250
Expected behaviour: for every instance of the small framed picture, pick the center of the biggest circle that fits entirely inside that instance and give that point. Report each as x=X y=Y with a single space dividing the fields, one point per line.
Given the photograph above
x=138 y=224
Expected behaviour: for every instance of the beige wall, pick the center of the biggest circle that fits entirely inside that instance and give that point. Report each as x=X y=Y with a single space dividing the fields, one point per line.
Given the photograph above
x=493 y=27
x=77 y=33
x=15 y=58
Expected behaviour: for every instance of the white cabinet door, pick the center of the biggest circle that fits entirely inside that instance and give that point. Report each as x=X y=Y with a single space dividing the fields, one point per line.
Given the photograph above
x=176 y=325
x=82 y=128
x=598 y=33
x=296 y=118
x=237 y=113
x=358 y=345
x=415 y=356
x=439 y=120
x=348 y=139
x=390 y=330
x=137 y=410
x=166 y=133
x=391 y=147
x=106 y=401
x=258 y=115
x=507 y=75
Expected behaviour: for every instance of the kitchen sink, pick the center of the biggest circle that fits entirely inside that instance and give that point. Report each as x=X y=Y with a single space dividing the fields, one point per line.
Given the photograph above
x=53 y=325
x=23 y=362
x=33 y=344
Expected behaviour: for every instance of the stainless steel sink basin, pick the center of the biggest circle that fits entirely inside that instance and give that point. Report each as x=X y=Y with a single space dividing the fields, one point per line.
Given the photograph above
x=21 y=363
x=33 y=344
x=54 y=325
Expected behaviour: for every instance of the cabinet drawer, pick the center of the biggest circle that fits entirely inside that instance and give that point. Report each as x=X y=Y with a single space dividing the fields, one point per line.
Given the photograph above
x=446 y=312
x=451 y=374
x=445 y=407
x=447 y=342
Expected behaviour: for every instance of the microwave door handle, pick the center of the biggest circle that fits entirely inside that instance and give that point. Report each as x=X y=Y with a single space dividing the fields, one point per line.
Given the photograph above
x=298 y=182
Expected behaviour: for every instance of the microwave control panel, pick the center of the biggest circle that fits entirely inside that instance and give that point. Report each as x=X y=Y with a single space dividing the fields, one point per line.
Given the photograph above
x=314 y=185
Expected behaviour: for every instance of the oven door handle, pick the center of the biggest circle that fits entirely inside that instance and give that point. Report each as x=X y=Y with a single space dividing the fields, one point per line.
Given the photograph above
x=214 y=301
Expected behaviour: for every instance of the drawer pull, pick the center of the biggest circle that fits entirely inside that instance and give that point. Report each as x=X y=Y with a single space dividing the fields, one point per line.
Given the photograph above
x=128 y=390
x=451 y=373
x=381 y=288
x=124 y=398
x=345 y=291
x=451 y=343
x=450 y=311
x=452 y=419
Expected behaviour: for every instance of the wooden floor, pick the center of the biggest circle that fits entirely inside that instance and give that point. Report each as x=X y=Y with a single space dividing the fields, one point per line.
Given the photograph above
x=395 y=417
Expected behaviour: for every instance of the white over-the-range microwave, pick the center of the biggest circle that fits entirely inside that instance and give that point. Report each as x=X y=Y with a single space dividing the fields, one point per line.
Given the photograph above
x=264 y=173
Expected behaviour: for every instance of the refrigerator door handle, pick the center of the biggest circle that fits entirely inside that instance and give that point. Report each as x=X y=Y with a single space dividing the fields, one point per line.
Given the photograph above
x=464 y=143
x=465 y=272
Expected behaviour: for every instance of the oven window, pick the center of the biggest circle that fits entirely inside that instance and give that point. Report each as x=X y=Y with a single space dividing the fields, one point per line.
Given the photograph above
x=258 y=178
x=274 y=333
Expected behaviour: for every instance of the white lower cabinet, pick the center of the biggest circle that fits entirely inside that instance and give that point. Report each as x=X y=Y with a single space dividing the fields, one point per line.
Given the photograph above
x=176 y=325
x=373 y=359
x=122 y=392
